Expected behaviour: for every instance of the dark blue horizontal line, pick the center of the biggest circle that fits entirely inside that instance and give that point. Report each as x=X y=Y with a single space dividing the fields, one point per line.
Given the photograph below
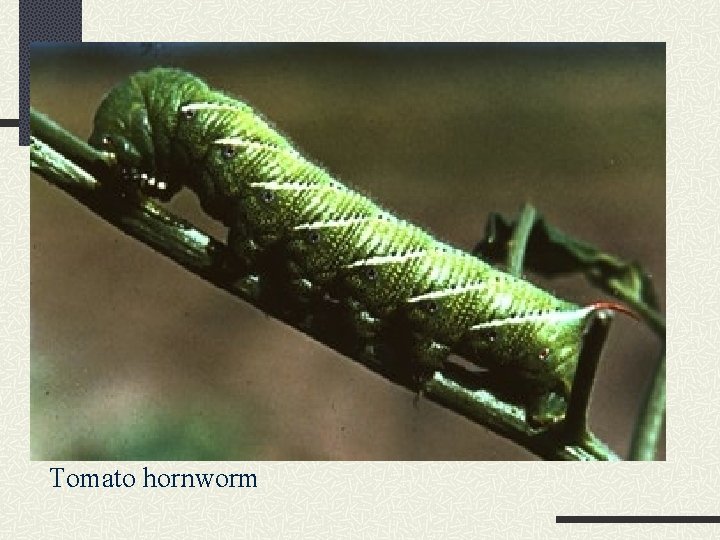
x=637 y=519
x=9 y=122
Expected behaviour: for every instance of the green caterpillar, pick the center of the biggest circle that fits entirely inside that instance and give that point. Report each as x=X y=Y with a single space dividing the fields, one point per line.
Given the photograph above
x=288 y=218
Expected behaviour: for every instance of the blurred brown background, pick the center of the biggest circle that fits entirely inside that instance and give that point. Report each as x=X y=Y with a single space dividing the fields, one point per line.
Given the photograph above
x=134 y=358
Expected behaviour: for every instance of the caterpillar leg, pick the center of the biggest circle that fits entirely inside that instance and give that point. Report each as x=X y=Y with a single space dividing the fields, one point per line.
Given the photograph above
x=277 y=287
x=243 y=247
x=366 y=325
x=429 y=356
x=159 y=188
x=364 y=328
x=546 y=410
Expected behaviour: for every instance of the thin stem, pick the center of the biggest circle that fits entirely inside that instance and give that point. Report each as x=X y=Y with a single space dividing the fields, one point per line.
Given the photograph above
x=649 y=423
x=650 y=420
x=193 y=249
x=575 y=422
x=519 y=240
x=68 y=145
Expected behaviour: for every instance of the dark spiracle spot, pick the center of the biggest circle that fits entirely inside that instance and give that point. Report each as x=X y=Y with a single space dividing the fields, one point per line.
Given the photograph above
x=492 y=336
x=544 y=353
x=187 y=113
x=371 y=273
x=432 y=307
x=228 y=151
x=314 y=237
x=267 y=196
x=107 y=140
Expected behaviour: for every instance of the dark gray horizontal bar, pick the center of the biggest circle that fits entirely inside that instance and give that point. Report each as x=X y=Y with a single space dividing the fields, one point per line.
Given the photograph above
x=637 y=519
x=9 y=122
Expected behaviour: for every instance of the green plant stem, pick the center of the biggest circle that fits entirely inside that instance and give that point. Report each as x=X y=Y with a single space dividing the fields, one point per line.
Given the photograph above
x=68 y=145
x=650 y=420
x=574 y=425
x=193 y=249
x=649 y=423
x=519 y=240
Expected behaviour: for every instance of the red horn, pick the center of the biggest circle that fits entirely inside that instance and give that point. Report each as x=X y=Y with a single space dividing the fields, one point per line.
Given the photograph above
x=614 y=306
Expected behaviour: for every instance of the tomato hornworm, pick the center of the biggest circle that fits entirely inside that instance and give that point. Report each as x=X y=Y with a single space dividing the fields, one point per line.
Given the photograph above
x=306 y=233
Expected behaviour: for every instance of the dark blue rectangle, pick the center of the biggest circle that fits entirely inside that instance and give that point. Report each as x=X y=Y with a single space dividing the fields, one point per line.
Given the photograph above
x=43 y=20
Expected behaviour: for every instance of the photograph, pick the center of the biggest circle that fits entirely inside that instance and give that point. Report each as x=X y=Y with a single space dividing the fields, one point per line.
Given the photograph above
x=347 y=251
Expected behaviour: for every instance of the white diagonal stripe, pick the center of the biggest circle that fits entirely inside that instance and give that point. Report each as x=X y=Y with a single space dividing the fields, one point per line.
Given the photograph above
x=289 y=186
x=447 y=292
x=384 y=259
x=240 y=141
x=212 y=107
x=331 y=223
x=552 y=317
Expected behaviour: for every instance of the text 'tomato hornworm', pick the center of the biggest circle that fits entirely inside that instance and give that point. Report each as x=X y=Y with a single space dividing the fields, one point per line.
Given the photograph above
x=289 y=219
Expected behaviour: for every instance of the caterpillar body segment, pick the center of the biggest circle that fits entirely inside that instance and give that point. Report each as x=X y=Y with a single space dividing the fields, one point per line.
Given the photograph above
x=288 y=217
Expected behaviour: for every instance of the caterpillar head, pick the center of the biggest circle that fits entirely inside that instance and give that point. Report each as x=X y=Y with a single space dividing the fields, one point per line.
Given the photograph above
x=136 y=121
x=122 y=126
